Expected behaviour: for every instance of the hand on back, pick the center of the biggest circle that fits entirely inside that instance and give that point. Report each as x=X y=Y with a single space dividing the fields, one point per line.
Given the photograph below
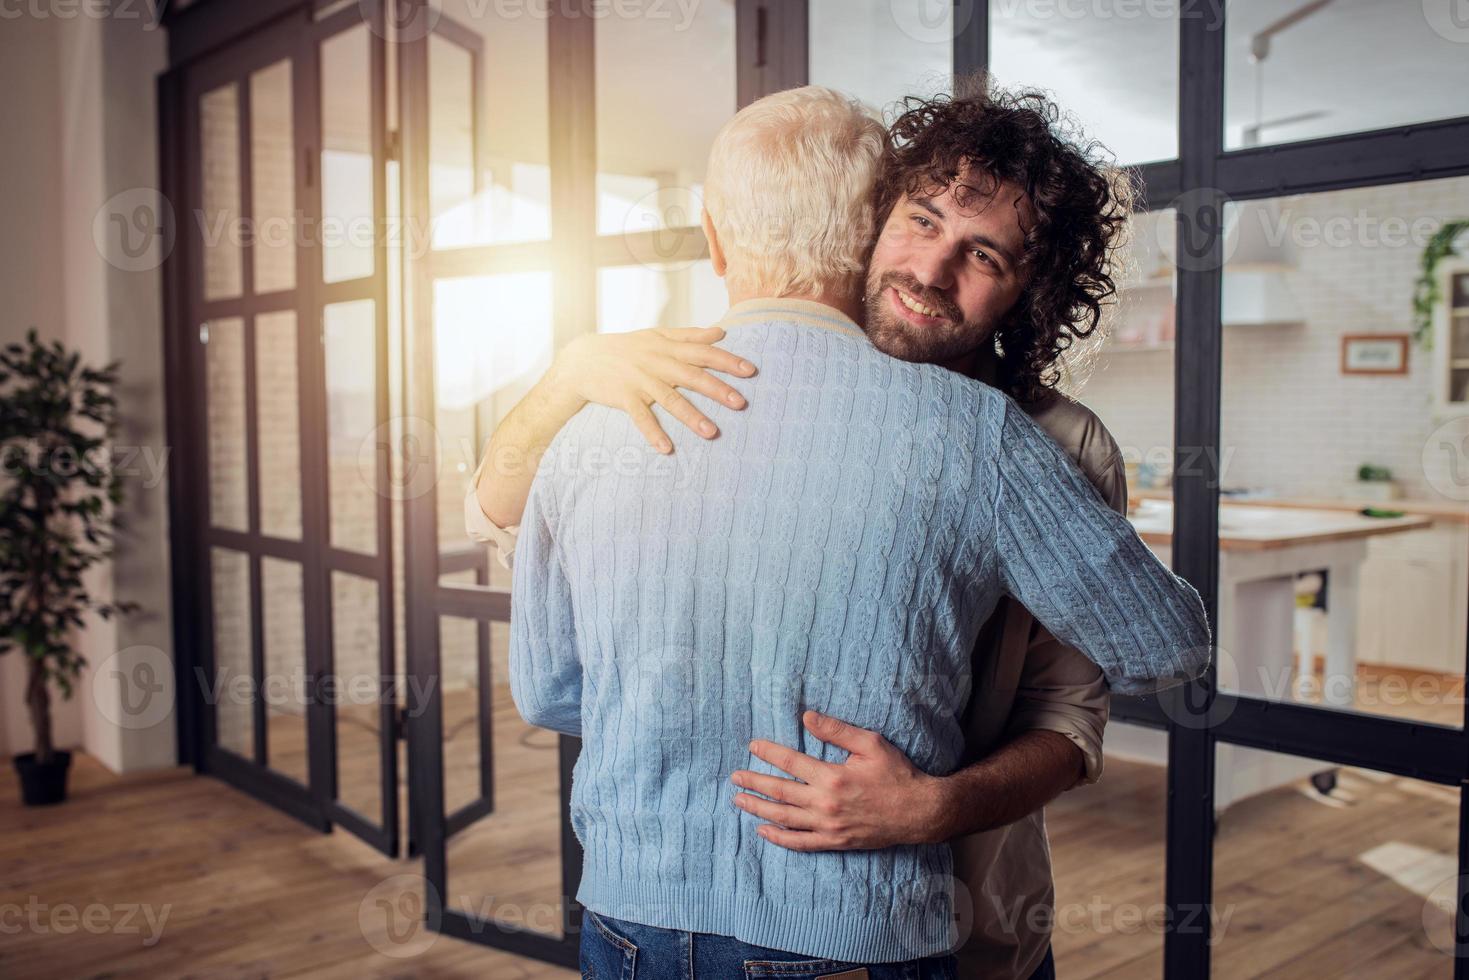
x=633 y=371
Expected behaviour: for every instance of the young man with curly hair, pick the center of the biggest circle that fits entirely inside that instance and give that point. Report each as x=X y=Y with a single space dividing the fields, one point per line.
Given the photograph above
x=991 y=261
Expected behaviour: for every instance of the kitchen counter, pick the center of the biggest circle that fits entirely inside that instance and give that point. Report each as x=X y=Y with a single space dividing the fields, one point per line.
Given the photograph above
x=1438 y=510
x=1259 y=526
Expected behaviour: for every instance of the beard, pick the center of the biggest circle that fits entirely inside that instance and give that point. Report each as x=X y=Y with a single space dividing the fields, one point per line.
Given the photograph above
x=895 y=336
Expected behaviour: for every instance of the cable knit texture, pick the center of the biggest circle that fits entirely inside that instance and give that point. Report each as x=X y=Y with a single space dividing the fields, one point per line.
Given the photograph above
x=837 y=548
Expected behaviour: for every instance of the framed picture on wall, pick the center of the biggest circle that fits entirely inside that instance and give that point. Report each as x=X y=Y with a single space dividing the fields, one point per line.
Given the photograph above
x=1374 y=353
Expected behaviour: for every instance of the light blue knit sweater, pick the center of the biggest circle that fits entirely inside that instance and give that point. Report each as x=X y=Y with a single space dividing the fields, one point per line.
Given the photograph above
x=837 y=548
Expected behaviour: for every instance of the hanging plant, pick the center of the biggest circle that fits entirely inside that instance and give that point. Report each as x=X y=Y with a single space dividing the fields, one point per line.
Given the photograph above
x=1426 y=294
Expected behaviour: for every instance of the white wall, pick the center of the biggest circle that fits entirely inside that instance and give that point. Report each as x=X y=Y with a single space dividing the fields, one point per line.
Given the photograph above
x=1294 y=423
x=77 y=99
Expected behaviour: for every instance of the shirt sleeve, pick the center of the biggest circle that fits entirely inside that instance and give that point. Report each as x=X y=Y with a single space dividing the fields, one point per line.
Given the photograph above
x=479 y=527
x=545 y=668
x=1083 y=572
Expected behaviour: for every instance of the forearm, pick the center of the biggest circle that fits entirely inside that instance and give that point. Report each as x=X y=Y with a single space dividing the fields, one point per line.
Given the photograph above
x=1015 y=780
x=517 y=445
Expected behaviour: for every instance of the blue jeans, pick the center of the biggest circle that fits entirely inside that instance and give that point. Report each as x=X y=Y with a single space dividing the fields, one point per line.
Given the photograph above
x=1047 y=969
x=615 y=950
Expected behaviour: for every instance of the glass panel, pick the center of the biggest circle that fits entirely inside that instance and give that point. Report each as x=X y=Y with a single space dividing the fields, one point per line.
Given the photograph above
x=1319 y=601
x=360 y=687
x=348 y=229
x=632 y=297
x=272 y=178
x=219 y=151
x=1108 y=843
x=1358 y=882
x=652 y=137
x=350 y=337
x=278 y=422
x=229 y=469
x=284 y=689
x=492 y=340
x=1107 y=840
x=1072 y=51
x=466 y=720
x=880 y=51
x=511 y=201
x=1129 y=381
x=234 y=680
x=1302 y=71
x=505 y=867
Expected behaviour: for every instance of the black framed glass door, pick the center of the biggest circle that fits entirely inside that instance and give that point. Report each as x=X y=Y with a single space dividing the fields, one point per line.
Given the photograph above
x=285 y=362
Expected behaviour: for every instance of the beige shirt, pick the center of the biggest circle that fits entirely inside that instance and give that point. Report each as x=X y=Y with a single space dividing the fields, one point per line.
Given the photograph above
x=1024 y=680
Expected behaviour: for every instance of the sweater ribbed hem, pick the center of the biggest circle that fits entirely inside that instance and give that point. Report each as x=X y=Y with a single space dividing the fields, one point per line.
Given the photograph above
x=817 y=933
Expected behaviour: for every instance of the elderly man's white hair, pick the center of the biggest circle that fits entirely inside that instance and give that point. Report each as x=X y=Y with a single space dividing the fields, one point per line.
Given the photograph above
x=789 y=192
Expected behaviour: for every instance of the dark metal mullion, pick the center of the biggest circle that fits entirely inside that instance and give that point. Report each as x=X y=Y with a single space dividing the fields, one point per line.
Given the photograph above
x=420 y=535
x=252 y=434
x=1417 y=750
x=188 y=578
x=245 y=305
x=311 y=411
x=1423 y=151
x=1190 y=851
x=486 y=714
x=388 y=689
x=572 y=145
x=972 y=39
x=771 y=47
x=473 y=602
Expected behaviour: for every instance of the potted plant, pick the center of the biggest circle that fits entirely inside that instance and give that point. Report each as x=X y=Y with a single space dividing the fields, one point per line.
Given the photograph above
x=57 y=420
x=1376 y=483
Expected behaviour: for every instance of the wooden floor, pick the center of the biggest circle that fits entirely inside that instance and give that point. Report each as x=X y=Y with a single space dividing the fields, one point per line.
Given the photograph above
x=1305 y=886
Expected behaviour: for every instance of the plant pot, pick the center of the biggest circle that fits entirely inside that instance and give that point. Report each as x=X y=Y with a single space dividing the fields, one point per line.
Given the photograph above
x=42 y=784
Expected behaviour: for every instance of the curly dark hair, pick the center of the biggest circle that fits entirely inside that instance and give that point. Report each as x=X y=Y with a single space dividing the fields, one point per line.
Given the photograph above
x=1080 y=200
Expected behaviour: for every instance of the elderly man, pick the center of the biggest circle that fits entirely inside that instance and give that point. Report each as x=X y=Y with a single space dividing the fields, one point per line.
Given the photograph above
x=837 y=548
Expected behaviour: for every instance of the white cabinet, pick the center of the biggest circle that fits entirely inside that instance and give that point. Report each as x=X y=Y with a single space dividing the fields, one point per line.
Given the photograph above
x=1412 y=608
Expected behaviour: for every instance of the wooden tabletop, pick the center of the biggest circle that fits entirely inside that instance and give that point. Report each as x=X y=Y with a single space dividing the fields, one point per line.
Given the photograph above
x=1449 y=511
x=1257 y=528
